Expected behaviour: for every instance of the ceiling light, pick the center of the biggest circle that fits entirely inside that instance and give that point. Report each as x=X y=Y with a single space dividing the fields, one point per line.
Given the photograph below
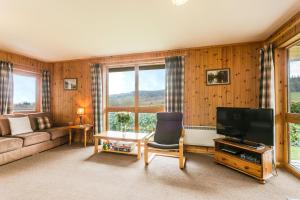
x=179 y=2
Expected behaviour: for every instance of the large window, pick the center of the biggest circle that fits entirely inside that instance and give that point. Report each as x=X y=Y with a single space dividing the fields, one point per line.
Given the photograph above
x=293 y=109
x=151 y=86
x=139 y=90
x=121 y=87
x=25 y=93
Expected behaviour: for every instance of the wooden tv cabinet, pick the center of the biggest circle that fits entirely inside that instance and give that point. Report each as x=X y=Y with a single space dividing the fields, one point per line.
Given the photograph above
x=232 y=154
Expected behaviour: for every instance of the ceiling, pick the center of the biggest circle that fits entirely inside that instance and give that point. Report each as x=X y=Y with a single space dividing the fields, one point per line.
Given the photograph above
x=54 y=30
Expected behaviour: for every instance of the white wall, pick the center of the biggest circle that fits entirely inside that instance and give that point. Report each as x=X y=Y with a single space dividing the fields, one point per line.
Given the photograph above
x=200 y=136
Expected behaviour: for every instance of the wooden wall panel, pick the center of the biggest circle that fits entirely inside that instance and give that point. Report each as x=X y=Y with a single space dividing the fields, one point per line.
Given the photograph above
x=200 y=100
x=25 y=63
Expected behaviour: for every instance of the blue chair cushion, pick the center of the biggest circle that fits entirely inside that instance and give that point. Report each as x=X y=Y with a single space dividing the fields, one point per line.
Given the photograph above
x=168 y=128
x=163 y=146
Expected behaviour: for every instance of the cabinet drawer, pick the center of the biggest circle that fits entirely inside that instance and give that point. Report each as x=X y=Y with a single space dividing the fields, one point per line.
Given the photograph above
x=231 y=161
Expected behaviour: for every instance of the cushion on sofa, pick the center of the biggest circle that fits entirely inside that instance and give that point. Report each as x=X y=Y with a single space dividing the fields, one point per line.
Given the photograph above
x=19 y=125
x=33 y=121
x=9 y=144
x=33 y=138
x=47 y=122
x=4 y=123
x=57 y=132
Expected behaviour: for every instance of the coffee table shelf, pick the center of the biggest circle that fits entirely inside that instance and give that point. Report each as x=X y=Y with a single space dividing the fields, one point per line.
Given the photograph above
x=120 y=136
x=134 y=152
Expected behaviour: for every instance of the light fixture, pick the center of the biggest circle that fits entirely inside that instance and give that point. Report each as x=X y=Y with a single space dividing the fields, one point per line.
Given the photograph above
x=80 y=112
x=179 y=2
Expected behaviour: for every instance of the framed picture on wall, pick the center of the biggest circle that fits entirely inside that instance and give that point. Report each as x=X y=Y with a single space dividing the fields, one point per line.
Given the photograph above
x=70 y=83
x=218 y=76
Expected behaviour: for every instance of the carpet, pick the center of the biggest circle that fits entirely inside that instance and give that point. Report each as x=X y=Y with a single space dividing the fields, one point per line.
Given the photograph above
x=72 y=173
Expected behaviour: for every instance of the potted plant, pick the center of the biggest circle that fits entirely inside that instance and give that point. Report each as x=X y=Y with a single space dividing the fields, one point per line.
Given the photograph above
x=123 y=119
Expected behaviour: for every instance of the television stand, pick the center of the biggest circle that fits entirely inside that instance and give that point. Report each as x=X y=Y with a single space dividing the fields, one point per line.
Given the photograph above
x=246 y=143
x=256 y=163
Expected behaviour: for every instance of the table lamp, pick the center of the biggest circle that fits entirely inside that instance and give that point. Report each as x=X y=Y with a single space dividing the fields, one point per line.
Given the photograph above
x=80 y=112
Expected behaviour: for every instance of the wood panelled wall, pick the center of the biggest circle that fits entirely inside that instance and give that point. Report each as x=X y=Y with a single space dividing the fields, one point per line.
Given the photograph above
x=287 y=33
x=200 y=100
x=25 y=63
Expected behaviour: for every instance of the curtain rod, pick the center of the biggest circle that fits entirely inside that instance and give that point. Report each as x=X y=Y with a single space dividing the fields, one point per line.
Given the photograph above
x=135 y=60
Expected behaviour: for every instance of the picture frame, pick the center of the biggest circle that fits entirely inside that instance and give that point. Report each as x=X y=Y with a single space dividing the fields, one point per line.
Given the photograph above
x=218 y=76
x=70 y=83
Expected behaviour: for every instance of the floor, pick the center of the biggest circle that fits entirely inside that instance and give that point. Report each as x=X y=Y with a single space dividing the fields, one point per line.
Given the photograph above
x=71 y=173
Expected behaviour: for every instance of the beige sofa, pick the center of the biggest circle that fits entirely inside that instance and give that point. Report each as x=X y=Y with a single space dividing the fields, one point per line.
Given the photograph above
x=19 y=146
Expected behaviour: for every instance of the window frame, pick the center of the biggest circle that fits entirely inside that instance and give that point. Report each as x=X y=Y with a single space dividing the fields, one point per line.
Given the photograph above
x=288 y=117
x=136 y=109
x=37 y=90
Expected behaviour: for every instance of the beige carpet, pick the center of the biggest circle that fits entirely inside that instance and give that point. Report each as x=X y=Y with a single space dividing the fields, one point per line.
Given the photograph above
x=70 y=173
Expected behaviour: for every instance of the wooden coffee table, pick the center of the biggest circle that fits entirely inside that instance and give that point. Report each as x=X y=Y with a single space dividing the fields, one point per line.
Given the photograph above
x=120 y=136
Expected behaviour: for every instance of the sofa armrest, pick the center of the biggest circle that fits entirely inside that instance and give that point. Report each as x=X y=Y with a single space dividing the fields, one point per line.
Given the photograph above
x=60 y=124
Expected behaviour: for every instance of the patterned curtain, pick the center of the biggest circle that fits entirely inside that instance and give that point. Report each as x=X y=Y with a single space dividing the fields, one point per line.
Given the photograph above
x=96 y=73
x=46 y=91
x=266 y=89
x=174 y=84
x=6 y=87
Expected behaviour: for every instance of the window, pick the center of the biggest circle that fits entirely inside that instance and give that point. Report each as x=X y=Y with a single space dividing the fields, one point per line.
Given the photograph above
x=121 y=87
x=293 y=107
x=114 y=126
x=147 y=122
x=294 y=141
x=25 y=92
x=152 y=86
x=139 y=90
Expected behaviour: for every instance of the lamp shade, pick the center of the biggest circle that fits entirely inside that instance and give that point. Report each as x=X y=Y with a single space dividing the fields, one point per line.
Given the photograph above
x=80 y=111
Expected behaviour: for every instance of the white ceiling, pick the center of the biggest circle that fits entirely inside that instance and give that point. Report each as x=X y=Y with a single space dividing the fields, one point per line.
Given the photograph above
x=53 y=30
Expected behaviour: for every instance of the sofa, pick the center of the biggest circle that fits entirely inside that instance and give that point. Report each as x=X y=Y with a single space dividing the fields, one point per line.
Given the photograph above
x=14 y=147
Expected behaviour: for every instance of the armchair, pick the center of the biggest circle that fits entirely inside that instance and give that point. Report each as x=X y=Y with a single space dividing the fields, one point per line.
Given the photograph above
x=168 y=138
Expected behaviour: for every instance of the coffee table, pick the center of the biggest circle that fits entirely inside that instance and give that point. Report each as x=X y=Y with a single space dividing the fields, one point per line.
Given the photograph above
x=120 y=136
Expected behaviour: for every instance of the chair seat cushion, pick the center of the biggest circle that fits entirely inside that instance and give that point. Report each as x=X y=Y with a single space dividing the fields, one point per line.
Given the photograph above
x=9 y=144
x=34 y=137
x=58 y=132
x=163 y=146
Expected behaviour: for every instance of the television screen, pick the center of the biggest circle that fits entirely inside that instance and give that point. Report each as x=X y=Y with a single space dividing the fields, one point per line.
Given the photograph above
x=255 y=125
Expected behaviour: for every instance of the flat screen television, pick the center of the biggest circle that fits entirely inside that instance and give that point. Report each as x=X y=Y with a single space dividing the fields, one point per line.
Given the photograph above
x=245 y=124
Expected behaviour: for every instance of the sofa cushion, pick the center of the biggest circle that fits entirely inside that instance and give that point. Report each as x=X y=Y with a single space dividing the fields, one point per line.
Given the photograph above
x=33 y=138
x=19 y=125
x=4 y=124
x=41 y=123
x=58 y=132
x=33 y=121
x=47 y=122
x=9 y=144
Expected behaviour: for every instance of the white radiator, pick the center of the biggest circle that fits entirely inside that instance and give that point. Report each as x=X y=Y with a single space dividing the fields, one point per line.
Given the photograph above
x=200 y=135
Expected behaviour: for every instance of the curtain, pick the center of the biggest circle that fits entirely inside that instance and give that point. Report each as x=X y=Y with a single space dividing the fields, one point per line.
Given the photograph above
x=174 y=84
x=45 y=91
x=96 y=73
x=266 y=89
x=6 y=87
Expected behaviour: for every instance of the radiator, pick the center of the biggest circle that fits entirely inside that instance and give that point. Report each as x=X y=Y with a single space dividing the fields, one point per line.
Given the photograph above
x=200 y=135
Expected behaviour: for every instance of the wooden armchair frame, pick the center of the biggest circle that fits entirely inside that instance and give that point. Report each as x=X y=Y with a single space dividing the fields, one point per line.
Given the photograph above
x=177 y=153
